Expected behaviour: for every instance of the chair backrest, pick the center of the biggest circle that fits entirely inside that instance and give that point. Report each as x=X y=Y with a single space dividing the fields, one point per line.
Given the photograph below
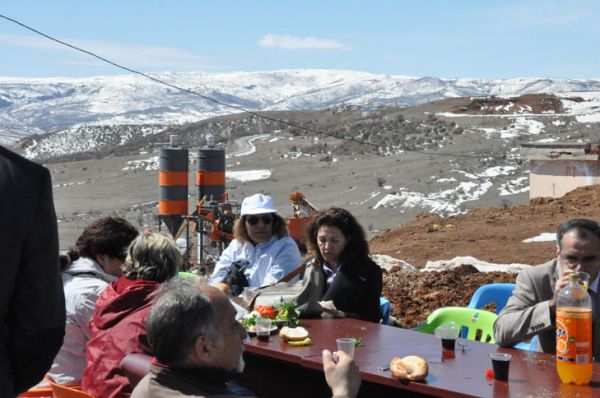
x=61 y=391
x=479 y=323
x=37 y=392
x=185 y=274
x=384 y=306
x=498 y=293
x=135 y=366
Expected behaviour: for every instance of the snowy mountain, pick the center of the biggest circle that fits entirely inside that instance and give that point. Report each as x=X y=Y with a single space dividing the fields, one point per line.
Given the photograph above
x=36 y=106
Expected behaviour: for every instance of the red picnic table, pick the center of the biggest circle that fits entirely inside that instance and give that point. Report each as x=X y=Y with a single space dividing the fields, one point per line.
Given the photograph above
x=276 y=369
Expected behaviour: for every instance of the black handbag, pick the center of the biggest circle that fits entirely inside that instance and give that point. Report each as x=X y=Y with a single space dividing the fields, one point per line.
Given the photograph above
x=235 y=278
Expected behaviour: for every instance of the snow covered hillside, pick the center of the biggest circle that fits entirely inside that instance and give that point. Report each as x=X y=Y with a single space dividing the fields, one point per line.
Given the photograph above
x=36 y=106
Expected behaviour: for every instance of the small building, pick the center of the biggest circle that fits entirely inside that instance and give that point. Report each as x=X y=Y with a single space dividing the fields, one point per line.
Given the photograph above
x=557 y=168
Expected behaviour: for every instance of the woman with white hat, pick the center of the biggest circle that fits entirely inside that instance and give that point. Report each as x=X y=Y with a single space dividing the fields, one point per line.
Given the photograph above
x=261 y=240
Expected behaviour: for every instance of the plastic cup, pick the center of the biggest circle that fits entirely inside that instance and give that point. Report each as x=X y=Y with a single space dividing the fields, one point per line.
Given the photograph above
x=447 y=333
x=346 y=345
x=263 y=329
x=500 y=364
x=583 y=278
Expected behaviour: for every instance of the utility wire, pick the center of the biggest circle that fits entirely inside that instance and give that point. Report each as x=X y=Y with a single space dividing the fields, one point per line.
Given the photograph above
x=239 y=108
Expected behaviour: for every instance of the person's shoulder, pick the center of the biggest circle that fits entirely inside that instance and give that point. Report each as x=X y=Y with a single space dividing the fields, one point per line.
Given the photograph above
x=286 y=240
x=537 y=273
x=542 y=269
x=10 y=159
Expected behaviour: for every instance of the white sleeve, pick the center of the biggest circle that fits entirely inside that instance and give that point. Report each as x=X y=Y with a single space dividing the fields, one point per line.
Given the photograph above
x=227 y=257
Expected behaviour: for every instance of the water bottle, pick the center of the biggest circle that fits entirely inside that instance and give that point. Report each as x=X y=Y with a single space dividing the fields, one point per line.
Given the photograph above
x=574 y=333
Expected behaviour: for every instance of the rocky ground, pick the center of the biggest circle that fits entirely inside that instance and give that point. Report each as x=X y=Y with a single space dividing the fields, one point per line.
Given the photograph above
x=493 y=235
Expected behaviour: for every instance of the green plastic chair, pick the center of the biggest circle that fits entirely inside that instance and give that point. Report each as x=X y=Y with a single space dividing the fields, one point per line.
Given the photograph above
x=190 y=275
x=477 y=322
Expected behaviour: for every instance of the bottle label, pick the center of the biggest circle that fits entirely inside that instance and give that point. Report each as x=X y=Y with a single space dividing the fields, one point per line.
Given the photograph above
x=574 y=335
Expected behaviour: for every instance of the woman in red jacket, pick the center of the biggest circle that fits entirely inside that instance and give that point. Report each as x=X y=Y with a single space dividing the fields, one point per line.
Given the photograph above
x=119 y=322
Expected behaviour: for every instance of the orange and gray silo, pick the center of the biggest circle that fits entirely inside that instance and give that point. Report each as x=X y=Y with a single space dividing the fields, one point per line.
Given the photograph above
x=173 y=185
x=210 y=177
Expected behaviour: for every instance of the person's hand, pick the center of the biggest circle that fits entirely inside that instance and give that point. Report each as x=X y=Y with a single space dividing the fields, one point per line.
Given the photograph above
x=342 y=375
x=222 y=287
x=329 y=308
x=560 y=283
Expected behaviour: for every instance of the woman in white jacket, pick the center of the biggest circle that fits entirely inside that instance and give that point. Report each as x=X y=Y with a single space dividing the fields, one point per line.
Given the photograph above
x=262 y=241
x=88 y=268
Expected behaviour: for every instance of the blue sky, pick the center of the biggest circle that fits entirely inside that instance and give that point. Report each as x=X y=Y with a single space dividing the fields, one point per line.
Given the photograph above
x=486 y=39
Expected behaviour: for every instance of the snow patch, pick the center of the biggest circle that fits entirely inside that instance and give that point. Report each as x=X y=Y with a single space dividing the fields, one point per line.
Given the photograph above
x=543 y=237
x=482 y=266
x=248 y=175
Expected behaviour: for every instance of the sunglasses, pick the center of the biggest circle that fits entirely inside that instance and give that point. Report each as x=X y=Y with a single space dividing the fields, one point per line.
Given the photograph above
x=253 y=220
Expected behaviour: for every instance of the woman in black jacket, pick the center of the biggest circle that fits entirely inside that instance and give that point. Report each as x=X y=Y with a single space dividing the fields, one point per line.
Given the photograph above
x=342 y=269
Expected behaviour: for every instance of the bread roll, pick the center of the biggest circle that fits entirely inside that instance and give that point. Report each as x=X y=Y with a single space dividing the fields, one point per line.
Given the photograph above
x=411 y=367
x=293 y=334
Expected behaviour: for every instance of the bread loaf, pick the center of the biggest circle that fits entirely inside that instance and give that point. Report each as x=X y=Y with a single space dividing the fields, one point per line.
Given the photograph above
x=293 y=334
x=411 y=367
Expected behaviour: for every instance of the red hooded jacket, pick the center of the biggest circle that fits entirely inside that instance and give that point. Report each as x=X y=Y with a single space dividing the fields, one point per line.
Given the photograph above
x=118 y=328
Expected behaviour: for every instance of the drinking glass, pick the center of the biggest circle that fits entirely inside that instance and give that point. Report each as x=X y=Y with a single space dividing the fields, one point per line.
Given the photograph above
x=346 y=345
x=500 y=364
x=263 y=328
x=448 y=332
x=583 y=278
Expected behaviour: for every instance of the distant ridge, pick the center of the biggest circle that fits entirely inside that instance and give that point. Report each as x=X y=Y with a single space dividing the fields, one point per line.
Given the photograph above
x=40 y=105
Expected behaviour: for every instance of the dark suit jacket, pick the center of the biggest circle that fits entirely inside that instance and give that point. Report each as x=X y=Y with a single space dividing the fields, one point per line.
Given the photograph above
x=527 y=313
x=356 y=290
x=31 y=295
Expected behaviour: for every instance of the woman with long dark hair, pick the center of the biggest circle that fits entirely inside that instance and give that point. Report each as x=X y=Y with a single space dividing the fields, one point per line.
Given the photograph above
x=342 y=270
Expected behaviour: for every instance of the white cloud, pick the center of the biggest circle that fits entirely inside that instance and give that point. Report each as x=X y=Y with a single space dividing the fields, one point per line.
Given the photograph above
x=290 y=42
x=130 y=55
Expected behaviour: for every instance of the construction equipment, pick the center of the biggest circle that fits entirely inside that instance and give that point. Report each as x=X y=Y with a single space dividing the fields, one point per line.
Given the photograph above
x=303 y=213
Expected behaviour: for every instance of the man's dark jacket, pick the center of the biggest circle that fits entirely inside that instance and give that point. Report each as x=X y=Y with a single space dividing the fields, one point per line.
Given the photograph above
x=32 y=307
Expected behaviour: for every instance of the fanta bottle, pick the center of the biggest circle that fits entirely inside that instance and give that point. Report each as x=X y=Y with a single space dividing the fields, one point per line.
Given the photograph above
x=574 y=333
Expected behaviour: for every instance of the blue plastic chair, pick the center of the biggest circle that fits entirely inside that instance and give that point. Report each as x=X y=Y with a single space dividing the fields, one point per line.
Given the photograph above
x=498 y=293
x=384 y=305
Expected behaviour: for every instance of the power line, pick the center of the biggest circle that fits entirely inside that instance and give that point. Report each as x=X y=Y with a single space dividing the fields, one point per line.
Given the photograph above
x=239 y=108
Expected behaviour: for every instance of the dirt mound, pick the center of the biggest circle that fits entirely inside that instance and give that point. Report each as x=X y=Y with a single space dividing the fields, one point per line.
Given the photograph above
x=494 y=235
x=414 y=295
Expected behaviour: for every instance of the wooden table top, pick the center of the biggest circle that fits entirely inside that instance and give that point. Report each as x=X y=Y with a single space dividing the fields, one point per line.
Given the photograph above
x=532 y=374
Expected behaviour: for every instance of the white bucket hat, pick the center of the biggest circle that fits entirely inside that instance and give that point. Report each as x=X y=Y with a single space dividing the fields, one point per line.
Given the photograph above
x=257 y=204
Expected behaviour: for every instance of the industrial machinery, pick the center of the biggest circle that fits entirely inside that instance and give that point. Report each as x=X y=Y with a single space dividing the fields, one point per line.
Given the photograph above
x=173 y=185
x=214 y=216
x=303 y=213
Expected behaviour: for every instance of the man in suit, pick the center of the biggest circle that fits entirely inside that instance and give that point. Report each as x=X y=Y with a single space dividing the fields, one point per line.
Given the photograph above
x=32 y=303
x=532 y=308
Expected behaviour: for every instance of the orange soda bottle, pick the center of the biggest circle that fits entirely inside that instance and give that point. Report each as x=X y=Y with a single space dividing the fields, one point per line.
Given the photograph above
x=574 y=333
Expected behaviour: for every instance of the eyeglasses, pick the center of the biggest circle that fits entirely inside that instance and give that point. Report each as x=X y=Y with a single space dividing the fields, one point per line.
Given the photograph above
x=572 y=260
x=253 y=220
